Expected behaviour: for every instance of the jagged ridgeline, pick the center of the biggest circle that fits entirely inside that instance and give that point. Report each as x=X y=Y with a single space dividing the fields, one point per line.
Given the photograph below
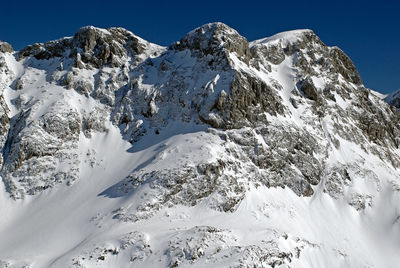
x=281 y=109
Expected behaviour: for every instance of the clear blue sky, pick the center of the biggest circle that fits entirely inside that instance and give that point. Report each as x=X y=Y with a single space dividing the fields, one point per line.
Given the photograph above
x=368 y=32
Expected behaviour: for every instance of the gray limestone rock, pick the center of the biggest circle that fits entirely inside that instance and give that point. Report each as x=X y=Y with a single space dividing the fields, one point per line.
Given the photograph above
x=244 y=105
x=216 y=40
x=6 y=47
x=90 y=45
x=35 y=149
x=344 y=66
x=308 y=88
x=47 y=50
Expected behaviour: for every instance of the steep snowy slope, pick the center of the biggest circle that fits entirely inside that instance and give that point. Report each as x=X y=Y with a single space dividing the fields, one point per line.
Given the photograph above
x=393 y=99
x=212 y=152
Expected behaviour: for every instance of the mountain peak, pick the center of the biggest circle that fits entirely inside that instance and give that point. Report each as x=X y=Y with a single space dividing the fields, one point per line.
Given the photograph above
x=99 y=47
x=213 y=30
x=91 y=28
x=5 y=47
x=89 y=36
x=95 y=46
x=286 y=37
x=215 y=39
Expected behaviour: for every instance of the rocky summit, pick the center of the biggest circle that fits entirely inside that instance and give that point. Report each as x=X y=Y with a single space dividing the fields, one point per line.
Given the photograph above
x=211 y=152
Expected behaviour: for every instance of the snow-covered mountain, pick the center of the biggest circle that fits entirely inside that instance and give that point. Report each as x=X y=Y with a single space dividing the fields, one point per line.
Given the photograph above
x=393 y=99
x=211 y=152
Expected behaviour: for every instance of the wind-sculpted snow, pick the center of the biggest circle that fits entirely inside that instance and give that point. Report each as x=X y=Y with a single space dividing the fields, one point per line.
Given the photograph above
x=213 y=151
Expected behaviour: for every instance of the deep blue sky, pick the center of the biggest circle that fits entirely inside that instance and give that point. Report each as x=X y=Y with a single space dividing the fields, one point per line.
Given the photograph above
x=368 y=32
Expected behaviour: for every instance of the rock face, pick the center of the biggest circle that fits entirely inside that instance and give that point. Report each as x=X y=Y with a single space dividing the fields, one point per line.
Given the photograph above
x=285 y=111
x=99 y=48
x=91 y=47
x=212 y=76
x=245 y=100
x=31 y=163
x=6 y=47
x=216 y=40
x=6 y=78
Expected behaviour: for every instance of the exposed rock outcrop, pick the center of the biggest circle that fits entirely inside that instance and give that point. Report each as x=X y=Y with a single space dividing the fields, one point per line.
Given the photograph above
x=6 y=47
x=215 y=41
x=213 y=77
x=92 y=46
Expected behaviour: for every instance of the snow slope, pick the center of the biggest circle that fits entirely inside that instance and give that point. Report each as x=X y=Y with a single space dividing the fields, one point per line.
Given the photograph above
x=213 y=152
x=76 y=222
